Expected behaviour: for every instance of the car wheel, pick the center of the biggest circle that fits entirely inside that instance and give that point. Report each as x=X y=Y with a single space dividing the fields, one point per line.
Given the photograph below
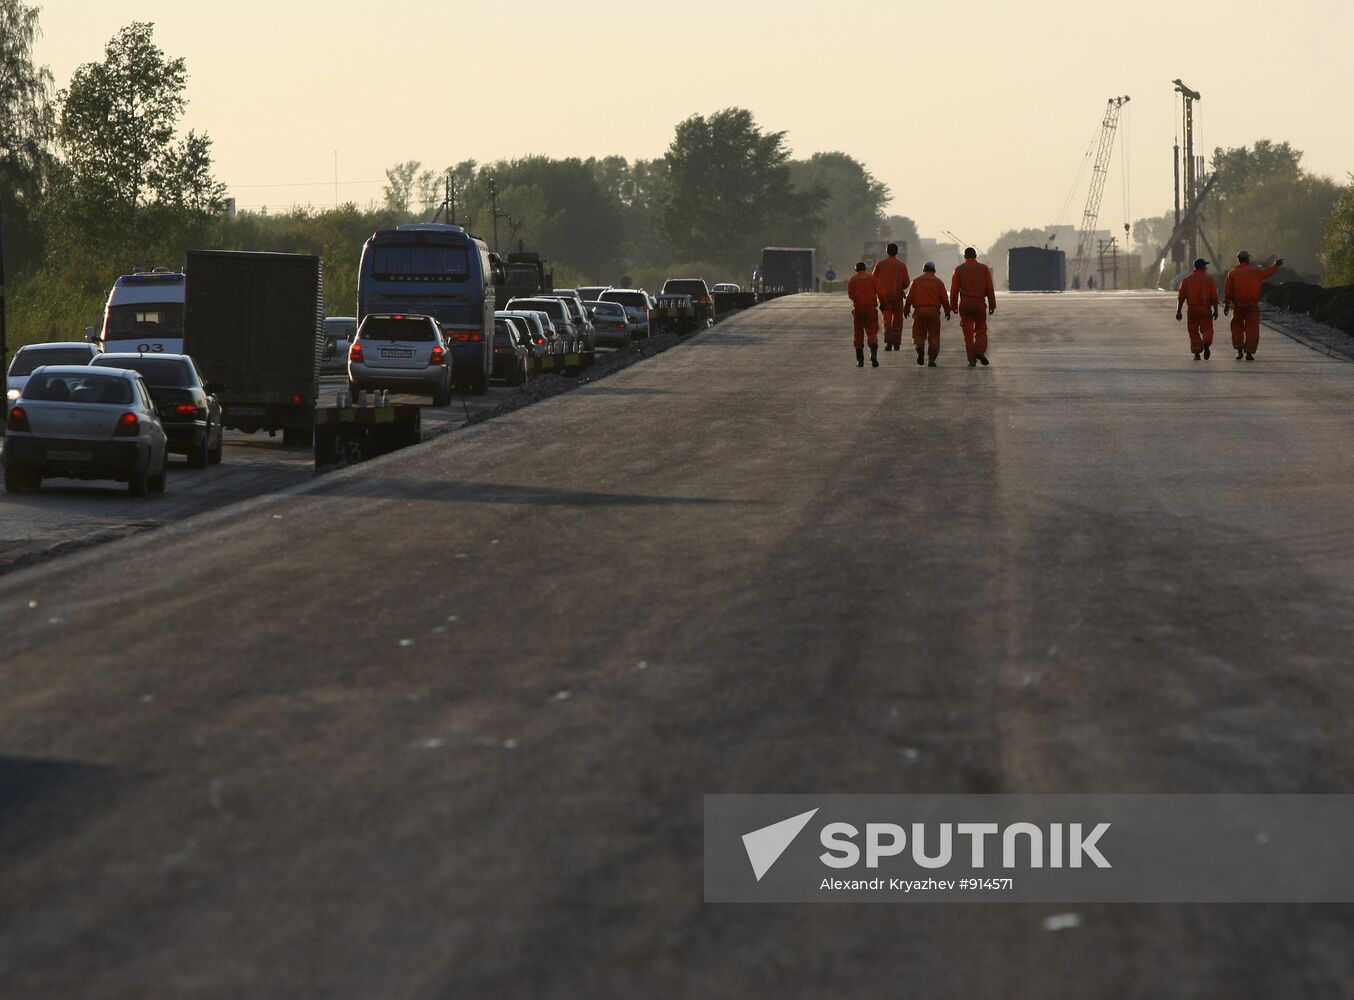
x=442 y=397
x=200 y=455
x=137 y=484
x=481 y=383
x=18 y=479
x=353 y=390
x=156 y=483
x=214 y=456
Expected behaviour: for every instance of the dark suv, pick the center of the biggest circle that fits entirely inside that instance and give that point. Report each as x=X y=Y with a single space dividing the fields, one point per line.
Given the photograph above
x=701 y=299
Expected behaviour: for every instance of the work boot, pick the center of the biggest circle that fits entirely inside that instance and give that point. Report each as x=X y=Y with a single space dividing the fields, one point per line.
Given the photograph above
x=973 y=364
x=1196 y=355
x=1240 y=354
x=930 y=364
x=921 y=355
x=874 y=355
x=983 y=359
x=1207 y=353
x=860 y=357
x=1250 y=356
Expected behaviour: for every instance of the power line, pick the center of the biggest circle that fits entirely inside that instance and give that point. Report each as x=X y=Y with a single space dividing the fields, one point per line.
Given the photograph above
x=301 y=184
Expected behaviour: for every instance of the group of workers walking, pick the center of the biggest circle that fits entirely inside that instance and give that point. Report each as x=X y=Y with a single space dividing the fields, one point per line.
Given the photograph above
x=891 y=291
x=1198 y=299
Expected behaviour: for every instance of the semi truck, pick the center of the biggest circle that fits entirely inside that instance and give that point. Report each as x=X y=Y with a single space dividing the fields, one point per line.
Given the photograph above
x=254 y=322
x=786 y=271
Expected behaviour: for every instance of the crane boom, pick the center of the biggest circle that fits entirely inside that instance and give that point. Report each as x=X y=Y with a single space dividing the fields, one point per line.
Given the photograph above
x=1098 y=174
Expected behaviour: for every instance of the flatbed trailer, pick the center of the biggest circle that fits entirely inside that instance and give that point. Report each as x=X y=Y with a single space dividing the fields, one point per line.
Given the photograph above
x=346 y=435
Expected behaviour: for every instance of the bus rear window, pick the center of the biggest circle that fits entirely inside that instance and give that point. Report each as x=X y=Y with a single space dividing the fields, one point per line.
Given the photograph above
x=420 y=263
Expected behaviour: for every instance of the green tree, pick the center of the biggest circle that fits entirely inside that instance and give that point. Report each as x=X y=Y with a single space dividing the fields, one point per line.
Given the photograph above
x=401 y=187
x=732 y=192
x=27 y=123
x=1264 y=201
x=1337 y=249
x=853 y=203
x=127 y=181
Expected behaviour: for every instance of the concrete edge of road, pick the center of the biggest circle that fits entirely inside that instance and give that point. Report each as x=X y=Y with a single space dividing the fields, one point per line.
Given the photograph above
x=1319 y=337
x=71 y=555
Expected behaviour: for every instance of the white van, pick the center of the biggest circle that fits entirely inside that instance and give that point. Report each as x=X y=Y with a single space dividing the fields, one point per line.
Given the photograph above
x=144 y=314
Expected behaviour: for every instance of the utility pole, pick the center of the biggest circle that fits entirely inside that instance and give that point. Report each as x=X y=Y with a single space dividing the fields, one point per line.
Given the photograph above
x=1188 y=186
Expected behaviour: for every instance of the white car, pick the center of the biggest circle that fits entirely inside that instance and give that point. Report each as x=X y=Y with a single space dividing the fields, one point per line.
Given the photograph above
x=611 y=323
x=32 y=356
x=726 y=288
x=81 y=422
x=637 y=303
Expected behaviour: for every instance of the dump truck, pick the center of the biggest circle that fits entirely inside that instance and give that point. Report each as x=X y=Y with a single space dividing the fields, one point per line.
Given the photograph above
x=524 y=275
x=254 y=322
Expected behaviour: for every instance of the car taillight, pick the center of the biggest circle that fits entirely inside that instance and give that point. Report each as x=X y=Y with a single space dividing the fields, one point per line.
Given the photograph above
x=127 y=426
x=704 y=300
x=18 y=420
x=438 y=355
x=185 y=409
x=297 y=399
x=467 y=336
x=618 y=325
x=355 y=353
x=540 y=340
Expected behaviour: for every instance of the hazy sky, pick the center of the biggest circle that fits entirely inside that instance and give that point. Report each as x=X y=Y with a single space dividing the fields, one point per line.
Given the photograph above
x=976 y=114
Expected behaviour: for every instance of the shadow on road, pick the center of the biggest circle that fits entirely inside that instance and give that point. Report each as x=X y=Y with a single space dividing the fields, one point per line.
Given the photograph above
x=29 y=783
x=528 y=496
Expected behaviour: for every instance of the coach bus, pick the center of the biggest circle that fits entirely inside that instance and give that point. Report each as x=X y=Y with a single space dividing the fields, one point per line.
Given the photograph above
x=439 y=271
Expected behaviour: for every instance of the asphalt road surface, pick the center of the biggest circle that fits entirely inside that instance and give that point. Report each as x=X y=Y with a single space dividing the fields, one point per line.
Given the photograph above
x=440 y=725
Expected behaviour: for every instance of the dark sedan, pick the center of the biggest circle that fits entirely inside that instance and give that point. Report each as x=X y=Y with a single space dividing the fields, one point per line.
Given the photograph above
x=188 y=408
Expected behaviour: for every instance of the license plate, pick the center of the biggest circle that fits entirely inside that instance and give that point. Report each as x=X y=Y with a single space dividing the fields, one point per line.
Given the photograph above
x=70 y=456
x=247 y=411
x=395 y=352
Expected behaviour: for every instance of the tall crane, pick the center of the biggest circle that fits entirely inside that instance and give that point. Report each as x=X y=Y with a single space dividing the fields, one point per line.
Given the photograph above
x=1086 y=238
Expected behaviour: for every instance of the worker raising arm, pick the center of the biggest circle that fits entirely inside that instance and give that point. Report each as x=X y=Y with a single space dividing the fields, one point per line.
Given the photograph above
x=1241 y=297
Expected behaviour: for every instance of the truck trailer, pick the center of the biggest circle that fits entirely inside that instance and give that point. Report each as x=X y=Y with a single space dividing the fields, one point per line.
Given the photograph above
x=254 y=322
x=786 y=271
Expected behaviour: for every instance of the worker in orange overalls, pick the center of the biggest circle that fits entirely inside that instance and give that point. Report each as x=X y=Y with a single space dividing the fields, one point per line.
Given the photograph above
x=865 y=297
x=1241 y=297
x=1200 y=291
x=927 y=297
x=891 y=273
x=974 y=299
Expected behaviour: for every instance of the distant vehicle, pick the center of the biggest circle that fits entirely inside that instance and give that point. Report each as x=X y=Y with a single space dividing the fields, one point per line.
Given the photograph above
x=253 y=323
x=32 y=356
x=438 y=271
x=338 y=337
x=587 y=335
x=540 y=330
x=726 y=288
x=524 y=275
x=188 y=408
x=512 y=359
x=80 y=422
x=701 y=299
x=144 y=314
x=402 y=353
x=591 y=293
x=786 y=271
x=637 y=305
x=610 y=322
x=560 y=316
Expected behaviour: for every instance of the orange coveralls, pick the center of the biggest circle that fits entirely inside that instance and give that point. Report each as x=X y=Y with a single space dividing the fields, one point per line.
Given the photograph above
x=971 y=295
x=1200 y=293
x=891 y=273
x=1242 y=292
x=926 y=298
x=865 y=295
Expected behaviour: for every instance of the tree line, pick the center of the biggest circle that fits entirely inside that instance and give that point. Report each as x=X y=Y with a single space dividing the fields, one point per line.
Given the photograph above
x=99 y=176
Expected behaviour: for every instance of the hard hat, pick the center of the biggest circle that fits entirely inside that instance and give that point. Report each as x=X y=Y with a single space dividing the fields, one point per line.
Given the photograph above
x=1200 y=262
x=930 y=265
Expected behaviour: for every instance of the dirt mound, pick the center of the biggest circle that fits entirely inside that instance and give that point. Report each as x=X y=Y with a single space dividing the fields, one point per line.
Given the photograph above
x=1332 y=306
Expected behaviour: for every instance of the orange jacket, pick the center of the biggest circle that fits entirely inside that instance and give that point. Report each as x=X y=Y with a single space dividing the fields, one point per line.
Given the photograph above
x=864 y=290
x=1243 y=283
x=928 y=291
x=1199 y=290
x=972 y=284
x=891 y=273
